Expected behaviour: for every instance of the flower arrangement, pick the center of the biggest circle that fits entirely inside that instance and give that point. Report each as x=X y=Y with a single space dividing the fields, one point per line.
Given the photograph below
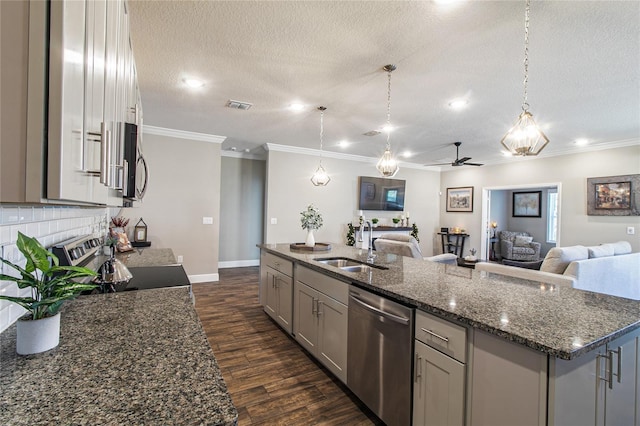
x=119 y=222
x=311 y=218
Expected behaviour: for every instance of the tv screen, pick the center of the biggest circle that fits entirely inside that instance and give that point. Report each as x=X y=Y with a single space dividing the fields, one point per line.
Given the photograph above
x=381 y=194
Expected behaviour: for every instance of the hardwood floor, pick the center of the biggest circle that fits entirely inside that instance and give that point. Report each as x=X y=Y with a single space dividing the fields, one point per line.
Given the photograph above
x=271 y=379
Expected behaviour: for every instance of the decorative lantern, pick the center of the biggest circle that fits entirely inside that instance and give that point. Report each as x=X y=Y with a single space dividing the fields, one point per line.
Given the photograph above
x=140 y=231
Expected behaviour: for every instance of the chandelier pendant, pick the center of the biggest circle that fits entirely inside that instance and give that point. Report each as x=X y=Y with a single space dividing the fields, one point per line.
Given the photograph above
x=388 y=165
x=525 y=138
x=320 y=176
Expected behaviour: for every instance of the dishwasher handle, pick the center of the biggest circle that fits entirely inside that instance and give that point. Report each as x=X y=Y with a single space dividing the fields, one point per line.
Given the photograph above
x=388 y=315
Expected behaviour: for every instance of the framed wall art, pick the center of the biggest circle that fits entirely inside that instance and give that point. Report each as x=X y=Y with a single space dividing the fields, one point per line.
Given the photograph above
x=527 y=204
x=613 y=195
x=460 y=199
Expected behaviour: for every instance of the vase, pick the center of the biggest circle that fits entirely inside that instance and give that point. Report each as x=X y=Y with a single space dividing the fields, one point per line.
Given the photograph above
x=35 y=336
x=311 y=241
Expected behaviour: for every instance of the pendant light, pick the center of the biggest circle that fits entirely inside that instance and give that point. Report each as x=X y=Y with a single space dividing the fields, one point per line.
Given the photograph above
x=525 y=137
x=320 y=177
x=387 y=165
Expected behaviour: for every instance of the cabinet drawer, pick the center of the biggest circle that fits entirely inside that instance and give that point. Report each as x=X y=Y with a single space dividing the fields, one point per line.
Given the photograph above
x=279 y=264
x=448 y=338
x=333 y=288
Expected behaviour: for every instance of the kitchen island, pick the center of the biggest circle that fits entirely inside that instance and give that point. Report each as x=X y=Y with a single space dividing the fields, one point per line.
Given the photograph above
x=136 y=357
x=524 y=352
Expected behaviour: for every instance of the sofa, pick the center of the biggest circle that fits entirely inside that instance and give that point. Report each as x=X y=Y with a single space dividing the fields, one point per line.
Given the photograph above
x=607 y=268
x=518 y=246
x=406 y=245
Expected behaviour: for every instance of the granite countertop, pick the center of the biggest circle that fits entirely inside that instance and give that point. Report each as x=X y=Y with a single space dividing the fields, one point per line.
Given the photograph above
x=131 y=358
x=561 y=321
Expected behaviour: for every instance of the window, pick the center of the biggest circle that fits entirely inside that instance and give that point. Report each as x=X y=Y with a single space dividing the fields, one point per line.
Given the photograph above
x=552 y=215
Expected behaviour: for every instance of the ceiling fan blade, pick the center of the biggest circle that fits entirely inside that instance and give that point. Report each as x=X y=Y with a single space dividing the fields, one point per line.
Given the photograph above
x=463 y=159
x=473 y=164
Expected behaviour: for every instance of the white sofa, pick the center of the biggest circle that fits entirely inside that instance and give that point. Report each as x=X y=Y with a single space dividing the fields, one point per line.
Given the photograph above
x=608 y=268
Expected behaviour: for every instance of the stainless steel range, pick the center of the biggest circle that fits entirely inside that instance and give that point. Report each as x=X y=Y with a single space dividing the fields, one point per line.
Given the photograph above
x=151 y=268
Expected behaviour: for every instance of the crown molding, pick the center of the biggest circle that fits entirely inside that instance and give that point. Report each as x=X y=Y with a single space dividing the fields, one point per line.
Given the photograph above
x=243 y=155
x=182 y=134
x=339 y=156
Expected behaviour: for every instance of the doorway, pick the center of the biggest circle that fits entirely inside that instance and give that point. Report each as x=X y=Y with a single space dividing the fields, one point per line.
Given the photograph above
x=497 y=209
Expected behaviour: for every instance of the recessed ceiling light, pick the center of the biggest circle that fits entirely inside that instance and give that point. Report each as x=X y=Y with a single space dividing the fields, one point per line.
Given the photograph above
x=582 y=141
x=296 y=107
x=458 y=104
x=194 y=83
x=506 y=153
x=343 y=144
x=407 y=154
x=387 y=128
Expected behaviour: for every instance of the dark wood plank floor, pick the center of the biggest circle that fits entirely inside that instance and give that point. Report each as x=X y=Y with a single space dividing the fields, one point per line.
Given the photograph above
x=271 y=379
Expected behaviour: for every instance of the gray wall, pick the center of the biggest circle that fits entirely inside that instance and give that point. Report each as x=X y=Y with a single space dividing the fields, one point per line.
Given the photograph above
x=571 y=171
x=289 y=191
x=535 y=226
x=241 y=211
x=184 y=187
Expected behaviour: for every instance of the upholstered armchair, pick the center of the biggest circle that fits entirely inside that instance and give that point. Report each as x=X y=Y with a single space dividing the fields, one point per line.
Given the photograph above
x=519 y=246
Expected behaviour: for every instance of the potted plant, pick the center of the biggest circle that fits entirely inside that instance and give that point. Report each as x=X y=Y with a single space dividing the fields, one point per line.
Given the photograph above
x=39 y=329
x=396 y=220
x=311 y=219
x=374 y=221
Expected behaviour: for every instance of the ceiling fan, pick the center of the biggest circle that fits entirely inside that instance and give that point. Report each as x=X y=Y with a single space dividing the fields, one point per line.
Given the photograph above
x=458 y=161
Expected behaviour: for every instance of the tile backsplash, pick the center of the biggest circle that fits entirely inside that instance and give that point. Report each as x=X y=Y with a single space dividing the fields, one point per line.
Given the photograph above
x=50 y=225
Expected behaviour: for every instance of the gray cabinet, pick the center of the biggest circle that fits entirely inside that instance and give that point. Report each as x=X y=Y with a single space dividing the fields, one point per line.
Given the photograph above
x=276 y=289
x=439 y=372
x=321 y=318
x=599 y=388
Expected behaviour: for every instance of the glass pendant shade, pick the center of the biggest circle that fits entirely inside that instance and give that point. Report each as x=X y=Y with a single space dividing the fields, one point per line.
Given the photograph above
x=320 y=177
x=525 y=137
x=387 y=165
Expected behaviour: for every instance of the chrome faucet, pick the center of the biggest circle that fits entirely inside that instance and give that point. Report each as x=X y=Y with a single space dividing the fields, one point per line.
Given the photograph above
x=370 y=254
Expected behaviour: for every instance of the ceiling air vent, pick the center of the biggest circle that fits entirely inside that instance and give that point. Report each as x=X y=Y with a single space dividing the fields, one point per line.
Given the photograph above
x=238 y=105
x=372 y=133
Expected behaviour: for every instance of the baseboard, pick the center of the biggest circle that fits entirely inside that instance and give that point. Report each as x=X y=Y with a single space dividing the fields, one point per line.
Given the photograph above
x=204 y=278
x=238 y=263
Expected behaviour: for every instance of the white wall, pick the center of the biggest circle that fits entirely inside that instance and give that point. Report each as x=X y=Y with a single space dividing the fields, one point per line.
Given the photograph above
x=241 y=211
x=571 y=171
x=289 y=191
x=184 y=187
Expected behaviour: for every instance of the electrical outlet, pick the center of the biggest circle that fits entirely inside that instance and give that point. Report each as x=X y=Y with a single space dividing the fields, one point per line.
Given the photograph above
x=274 y=220
x=631 y=230
x=207 y=220
x=180 y=259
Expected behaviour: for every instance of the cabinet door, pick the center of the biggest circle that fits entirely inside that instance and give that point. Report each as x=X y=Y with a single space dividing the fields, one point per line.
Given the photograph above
x=306 y=320
x=284 y=290
x=621 y=397
x=271 y=299
x=332 y=335
x=65 y=178
x=438 y=393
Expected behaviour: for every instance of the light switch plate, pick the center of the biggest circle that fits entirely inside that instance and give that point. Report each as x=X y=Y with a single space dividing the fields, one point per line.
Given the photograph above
x=207 y=220
x=274 y=220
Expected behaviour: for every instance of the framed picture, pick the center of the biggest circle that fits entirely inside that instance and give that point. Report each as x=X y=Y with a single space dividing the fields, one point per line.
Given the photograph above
x=460 y=199
x=613 y=196
x=527 y=204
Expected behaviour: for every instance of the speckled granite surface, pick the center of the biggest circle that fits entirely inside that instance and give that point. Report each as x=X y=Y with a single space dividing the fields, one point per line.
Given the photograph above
x=132 y=358
x=139 y=257
x=562 y=322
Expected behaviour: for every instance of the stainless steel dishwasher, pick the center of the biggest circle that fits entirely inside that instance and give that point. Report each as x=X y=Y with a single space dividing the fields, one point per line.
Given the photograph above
x=379 y=355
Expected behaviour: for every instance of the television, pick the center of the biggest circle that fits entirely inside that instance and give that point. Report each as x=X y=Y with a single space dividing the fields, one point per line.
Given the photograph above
x=384 y=194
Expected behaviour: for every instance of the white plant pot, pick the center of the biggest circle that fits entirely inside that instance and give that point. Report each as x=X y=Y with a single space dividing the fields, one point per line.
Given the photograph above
x=310 y=241
x=35 y=336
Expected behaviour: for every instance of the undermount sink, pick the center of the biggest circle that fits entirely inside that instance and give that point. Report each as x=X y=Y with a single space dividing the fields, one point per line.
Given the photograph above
x=348 y=265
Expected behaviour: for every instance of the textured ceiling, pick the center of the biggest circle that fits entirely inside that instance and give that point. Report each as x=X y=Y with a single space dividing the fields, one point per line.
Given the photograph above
x=584 y=72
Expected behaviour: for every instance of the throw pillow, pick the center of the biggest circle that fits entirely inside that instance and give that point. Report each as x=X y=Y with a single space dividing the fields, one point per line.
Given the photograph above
x=522 y=241
x=603 y=250
x=621 y=247
x=558 y=258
